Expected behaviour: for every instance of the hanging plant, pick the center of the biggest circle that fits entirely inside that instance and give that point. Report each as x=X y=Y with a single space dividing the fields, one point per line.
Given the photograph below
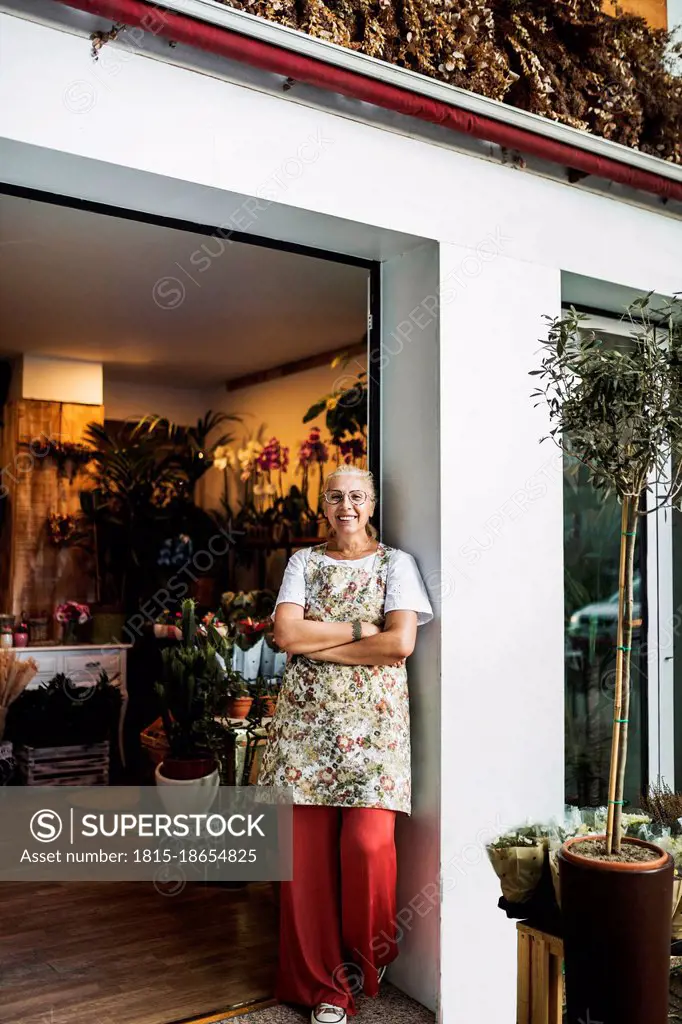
x=70 y=457
x=66 y=530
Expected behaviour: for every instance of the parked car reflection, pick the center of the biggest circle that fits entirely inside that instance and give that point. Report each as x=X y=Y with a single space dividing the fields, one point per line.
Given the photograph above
x=600 y=618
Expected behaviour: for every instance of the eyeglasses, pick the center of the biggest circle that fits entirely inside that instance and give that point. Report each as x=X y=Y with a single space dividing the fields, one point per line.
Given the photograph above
x=356 y=497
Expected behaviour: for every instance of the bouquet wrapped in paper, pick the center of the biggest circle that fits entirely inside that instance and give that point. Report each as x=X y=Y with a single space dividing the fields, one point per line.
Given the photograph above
x=517 y=859
x=15 y=675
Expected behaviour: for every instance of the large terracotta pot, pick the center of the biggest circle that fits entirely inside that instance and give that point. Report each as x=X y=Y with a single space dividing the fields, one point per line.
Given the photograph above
x=616 y=923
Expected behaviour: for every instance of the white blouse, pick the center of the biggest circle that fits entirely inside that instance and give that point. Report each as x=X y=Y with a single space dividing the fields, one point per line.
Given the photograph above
x=405 y=590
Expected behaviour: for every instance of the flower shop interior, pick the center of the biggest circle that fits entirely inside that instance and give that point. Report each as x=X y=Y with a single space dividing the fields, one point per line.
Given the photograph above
x=170 y=401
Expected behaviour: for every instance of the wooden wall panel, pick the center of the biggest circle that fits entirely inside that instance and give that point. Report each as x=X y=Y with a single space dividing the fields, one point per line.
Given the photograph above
x=655 y=11
x=36 y=575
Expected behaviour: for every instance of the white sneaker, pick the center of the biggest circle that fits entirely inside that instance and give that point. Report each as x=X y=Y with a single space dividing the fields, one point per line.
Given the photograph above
x=327 y=1013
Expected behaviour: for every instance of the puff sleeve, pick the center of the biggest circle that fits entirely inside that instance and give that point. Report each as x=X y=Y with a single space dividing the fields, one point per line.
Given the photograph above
x=405 y=589
x=292 y=589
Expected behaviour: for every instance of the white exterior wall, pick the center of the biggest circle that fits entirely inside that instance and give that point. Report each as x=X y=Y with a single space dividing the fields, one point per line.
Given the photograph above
x=164 y=139
x=502 y=657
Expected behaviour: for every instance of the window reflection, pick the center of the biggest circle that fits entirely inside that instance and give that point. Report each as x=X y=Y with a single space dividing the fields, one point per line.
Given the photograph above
x=591 y=564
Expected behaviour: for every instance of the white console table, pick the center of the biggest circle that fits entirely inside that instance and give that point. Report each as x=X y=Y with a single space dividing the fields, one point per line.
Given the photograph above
x=82 y=663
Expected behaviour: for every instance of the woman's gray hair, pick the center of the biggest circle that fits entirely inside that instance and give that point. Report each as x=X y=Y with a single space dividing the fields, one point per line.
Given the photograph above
x=343 y=470
x=346 y=468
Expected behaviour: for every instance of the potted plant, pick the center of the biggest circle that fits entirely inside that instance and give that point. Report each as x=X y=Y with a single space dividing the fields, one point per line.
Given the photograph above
x=21 y=634
x=240 y=698
x=517 y=858
x=72 y=615
x=190 y=669
x=616 y=410
x=62 y=731
x=270 y=697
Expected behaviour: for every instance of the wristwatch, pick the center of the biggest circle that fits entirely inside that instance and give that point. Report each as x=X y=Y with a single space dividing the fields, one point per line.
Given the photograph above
x=357 y=629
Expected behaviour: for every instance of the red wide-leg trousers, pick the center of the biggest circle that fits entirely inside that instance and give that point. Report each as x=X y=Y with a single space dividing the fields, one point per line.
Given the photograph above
x=338 y=914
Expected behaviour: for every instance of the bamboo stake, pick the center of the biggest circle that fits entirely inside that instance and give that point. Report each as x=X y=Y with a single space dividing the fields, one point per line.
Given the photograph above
x=627 y=661
x=618 y=690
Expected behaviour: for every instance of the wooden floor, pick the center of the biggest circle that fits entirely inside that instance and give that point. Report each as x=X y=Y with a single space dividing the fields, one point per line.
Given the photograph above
x=122 y=953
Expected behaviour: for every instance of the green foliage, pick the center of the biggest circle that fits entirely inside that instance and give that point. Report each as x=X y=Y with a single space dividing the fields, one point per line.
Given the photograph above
x=60 y=713
x=142 y=478
x=346 y=406
x=187 y=449
x=617 y=410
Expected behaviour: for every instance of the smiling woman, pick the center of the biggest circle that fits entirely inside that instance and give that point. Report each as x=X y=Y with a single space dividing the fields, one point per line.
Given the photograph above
x=347 y=614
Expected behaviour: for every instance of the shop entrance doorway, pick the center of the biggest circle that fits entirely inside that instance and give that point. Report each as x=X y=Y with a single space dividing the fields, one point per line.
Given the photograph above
x=217 y=377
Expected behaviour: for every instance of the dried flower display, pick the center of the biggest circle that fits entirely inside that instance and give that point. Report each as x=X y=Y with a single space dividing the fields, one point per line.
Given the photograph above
x=15 y=675
x=70 y=457
x=568 y=60
x=65 y=529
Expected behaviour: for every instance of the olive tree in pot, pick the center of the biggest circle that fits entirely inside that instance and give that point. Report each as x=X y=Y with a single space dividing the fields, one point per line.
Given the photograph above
x=619 y=412
x=191 y=670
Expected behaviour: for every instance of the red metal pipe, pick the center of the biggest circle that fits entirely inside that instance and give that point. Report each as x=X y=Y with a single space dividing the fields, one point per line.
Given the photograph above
x=274 y=59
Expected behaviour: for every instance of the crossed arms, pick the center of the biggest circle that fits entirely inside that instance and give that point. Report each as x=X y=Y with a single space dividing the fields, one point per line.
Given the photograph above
x=332 y=641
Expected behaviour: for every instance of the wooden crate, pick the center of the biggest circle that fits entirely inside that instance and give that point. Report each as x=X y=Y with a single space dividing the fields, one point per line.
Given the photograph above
x=81 y=765
x=540 y=980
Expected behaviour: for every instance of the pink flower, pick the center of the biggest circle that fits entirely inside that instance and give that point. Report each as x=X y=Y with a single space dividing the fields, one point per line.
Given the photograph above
x=292 y=774
x=387 y=783
x=274 y=456
x=344 y=743
x=72 y=611
x=313 y=449
x=326 y=776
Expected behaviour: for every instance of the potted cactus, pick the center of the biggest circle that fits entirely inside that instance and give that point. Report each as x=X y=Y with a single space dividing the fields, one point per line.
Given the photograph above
x=190 y=669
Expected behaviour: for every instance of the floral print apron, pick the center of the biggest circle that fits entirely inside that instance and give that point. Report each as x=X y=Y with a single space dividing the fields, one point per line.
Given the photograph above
x=340 y=735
